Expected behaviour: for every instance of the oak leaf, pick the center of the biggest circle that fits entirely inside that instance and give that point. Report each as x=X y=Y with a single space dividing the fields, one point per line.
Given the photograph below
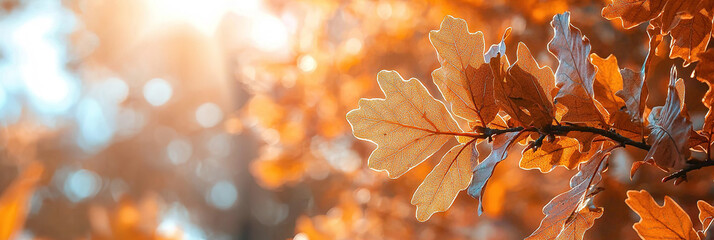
x=408 y=126
x=633 y=12
x=570 y=214
x=670 y=128
x=690 y=37
x=634 y=92
x=706 y=215
x=483 y=171
x=445 y=181
x=608 y=81
x=526 y=91
x=561 y=152
x=464 y=78
x=575 y=74
x=668 y=221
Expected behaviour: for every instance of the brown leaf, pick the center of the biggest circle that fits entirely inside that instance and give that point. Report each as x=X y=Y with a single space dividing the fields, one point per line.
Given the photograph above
x=670 y=129
x=445 y=181
x=675 y=11
x=633 y=12
x=568 y=215
x=634 y=93
x=575 y=74
x=705 y=73
x=561 y=152
x=706 y=215
x=608 y=81
x=668 y=221
x=526 y=91
x=483 y=171
x=408 y=126
x=464 y=78
x=623 y=125
x=690 y=37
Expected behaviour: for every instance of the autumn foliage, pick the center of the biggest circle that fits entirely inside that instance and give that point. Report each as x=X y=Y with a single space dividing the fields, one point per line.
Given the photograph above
x=574 y=117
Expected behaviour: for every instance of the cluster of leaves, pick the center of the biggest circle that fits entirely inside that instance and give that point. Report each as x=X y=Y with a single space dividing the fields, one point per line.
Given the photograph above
x=573 y=117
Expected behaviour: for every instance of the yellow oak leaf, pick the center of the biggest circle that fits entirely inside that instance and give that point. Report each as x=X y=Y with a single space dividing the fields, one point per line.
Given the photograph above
x=408 y=126
x=445 y=181
x=608 y=81
x=464 y=79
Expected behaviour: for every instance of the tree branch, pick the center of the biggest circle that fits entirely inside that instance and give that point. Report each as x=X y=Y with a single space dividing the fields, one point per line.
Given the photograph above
x=692 y=165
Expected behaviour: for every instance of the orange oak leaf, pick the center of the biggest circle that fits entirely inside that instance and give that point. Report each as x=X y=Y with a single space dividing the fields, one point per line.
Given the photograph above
x=668 y=221
x=575 y=74
x=464 y=78
x=608 y=81
x=408 y=126
x=670 y=128
x=633 y=12
x=706 y=215
x=570 y=214
x=445 y=181
x=561 y=152
x=526 y=91
x=483 y=171
x=634 y=93
x=675 y=11
x=690 y=37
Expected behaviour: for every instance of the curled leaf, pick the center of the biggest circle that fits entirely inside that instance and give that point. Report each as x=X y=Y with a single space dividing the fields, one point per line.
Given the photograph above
x=526 y=91
x=569 y=214
x=483 y=171
x=575 y=74
x=706 y=215
x=670 y=129
x=633 y=12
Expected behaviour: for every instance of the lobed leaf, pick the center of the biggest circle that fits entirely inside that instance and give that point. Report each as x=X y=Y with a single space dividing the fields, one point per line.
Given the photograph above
x=484 y=170
x=445 y=181
x=633 y=12
x=569 y=214
x=464 y=78
x=408 y=126
x=526 y=91
x=670 y=129
x=608 y=81
x=706 y=215
x=575 y=74
x=668 y=221
x=561 y=152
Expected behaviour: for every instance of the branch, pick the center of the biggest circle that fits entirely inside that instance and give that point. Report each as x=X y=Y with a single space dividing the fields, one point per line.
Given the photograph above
x=564 y=129
x=692 y=165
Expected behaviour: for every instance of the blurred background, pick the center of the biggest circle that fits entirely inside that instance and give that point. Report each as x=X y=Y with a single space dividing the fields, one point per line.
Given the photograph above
x=224 y=119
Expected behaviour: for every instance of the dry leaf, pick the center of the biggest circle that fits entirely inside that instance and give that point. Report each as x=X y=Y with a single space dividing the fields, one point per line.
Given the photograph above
x=608 y=81
x=668 y=221
x=633 y=12
x=464 y=78
x=706 y=214
x=483 y=171
x=670 y=129
x=445 y=181
x=690 y=37
x=408 y=126
x=561 y=152
x=566 y=216
x=526 y=91
x=634 y=93
x=575 y=74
